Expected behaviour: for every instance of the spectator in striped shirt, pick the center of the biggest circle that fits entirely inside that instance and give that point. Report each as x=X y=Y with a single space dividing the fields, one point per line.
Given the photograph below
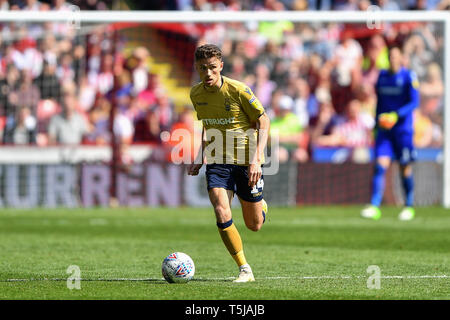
x=354 y=132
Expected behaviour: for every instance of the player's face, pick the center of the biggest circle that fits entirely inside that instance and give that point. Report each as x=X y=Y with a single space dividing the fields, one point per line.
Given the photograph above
x=209 y=71
x=395 y=59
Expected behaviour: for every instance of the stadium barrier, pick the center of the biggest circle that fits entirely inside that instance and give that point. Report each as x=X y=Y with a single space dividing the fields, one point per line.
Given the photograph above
x=85 y=181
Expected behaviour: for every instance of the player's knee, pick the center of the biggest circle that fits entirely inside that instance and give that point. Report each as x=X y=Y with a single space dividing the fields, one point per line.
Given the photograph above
x=380 y=169
x=383 y=163
x=406 y=170
x=222 y=213
x=254 y=225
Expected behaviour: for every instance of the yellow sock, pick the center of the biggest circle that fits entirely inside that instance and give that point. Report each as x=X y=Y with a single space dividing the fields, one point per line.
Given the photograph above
x=232 y=240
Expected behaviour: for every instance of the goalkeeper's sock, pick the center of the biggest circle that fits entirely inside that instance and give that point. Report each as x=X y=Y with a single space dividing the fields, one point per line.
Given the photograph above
x=408 y=187
x=232 y=240
x=378 y=183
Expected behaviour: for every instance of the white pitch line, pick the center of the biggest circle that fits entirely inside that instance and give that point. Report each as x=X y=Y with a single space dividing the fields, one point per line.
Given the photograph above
x=81 y=279
x=228 y=278
x=361 y=277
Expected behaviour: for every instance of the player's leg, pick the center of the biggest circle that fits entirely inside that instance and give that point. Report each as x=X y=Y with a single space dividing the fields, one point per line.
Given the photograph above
x=254 y=207
x=383 y=156
x=406 y=157
x=221 y=190
x=379 y=179
x=408 y=184
x=254 y=213
x=378 y=185
x=254 y=210
x=221 y=201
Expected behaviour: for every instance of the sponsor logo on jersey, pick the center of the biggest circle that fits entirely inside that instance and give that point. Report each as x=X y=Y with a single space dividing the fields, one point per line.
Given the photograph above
x=390 y=90
x=222 y=121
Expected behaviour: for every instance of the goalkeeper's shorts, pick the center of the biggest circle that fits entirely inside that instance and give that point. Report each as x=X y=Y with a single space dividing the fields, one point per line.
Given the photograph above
x=395 y=145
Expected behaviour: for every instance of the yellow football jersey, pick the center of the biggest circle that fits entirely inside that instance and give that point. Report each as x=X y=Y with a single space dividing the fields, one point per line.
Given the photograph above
x=228 y=114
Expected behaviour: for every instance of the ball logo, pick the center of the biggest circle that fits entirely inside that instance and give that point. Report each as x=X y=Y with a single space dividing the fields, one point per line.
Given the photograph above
x=172 y=256
x=181 y=271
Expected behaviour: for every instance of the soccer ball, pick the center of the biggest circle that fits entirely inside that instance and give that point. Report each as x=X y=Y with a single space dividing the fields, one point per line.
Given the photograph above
x=178 y=267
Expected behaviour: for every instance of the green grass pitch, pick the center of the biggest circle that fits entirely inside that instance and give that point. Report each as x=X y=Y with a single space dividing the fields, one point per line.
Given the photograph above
x=300 y=253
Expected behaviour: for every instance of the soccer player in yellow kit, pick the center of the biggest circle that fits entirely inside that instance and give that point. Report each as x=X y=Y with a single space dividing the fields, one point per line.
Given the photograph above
x=229 y=111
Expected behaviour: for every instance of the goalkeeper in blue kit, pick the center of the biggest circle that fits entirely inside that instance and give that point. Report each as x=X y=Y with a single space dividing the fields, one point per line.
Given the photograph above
x=397 y=97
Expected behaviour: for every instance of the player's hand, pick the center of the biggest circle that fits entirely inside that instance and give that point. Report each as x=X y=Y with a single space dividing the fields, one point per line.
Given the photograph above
x=387 y=120
x=254 y=174
x=193 y=169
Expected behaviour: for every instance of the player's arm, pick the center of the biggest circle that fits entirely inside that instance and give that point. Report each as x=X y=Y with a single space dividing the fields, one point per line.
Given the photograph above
x=414 y=97
x=194 y=168
x=256 y=114
x=254 y=169
x=383 y=120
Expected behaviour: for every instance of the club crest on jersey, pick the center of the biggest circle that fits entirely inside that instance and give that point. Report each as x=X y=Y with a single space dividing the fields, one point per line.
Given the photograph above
x=227 y=104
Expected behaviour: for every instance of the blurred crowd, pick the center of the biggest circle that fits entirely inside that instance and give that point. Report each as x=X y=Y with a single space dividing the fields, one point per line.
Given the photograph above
x=220 y=5
x=57 y=84
x=316 y=81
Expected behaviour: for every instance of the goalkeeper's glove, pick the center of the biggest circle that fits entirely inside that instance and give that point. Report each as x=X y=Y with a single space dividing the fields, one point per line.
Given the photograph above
x=387 y=120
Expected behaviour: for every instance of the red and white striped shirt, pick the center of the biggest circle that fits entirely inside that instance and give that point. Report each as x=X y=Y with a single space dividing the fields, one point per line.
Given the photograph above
x=355 y=133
